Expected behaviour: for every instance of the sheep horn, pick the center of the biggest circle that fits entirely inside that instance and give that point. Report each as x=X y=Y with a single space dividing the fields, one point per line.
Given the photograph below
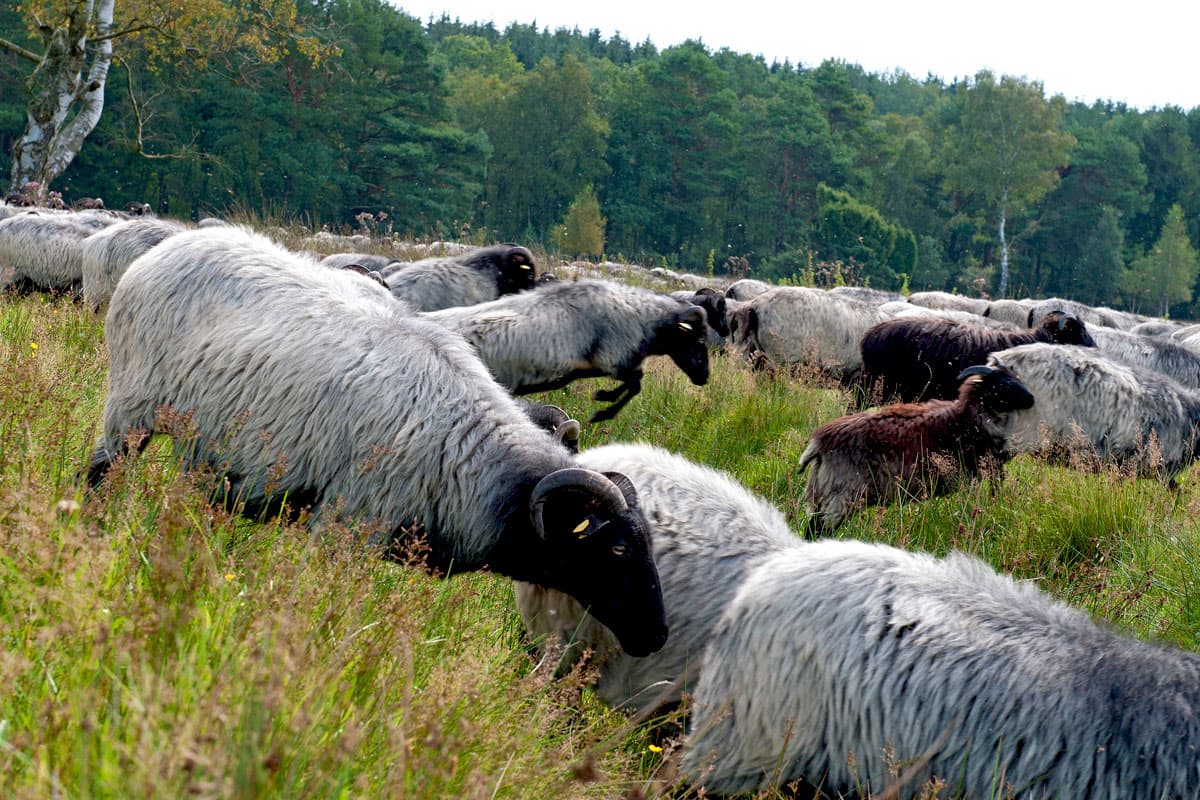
x=611 y=499
x=979 y=369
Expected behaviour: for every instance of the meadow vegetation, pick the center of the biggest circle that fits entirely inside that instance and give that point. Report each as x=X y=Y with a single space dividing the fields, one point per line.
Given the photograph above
x=157 y=645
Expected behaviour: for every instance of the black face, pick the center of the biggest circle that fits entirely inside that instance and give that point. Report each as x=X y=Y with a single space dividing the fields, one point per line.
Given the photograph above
x=1001 y=391
x=515 y=270
x=685 y=340
x=714 y=309
x=608 y=566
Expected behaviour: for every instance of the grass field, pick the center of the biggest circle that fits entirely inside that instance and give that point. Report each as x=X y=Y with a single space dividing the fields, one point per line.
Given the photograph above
x=156 y=646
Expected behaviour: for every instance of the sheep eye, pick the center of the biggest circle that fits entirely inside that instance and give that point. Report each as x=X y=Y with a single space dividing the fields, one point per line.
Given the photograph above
x=618 y=550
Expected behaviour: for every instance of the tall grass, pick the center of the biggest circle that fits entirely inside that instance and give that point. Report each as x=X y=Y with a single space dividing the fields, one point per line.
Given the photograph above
x=155 y=645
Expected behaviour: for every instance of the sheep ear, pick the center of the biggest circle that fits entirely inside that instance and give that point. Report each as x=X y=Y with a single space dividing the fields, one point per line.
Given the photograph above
x=976 y=370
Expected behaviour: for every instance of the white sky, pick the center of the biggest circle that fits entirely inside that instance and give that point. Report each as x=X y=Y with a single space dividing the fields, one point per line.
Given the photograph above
x=1143 y=53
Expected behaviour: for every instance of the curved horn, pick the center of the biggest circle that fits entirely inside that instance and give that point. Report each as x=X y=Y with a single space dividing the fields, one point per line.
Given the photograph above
x=359 y=268
x=1062 y=321
x=609 y=496
x=979 y=369
x=568 y=431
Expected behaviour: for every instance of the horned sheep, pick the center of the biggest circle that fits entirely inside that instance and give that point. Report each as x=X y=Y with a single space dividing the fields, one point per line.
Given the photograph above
x=370 y=261
x=911 y=449
x=838 y=660
x=107 y=253
x=708 y=530
x=279 y=366
x=1088 y=403
x=477 y=276
x=561 y=332
x=918 y=358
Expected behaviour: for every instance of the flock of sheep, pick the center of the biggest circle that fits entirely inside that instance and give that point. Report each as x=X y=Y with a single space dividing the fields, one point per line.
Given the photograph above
x=383 y=394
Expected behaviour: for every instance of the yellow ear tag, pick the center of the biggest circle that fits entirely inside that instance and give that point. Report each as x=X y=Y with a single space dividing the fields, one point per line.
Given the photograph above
x=685 y=326
x=581 y=527
x=526 y=266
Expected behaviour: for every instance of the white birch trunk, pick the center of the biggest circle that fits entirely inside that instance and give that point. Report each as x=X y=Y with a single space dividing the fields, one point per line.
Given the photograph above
x=67 y=96
x=1003 y=288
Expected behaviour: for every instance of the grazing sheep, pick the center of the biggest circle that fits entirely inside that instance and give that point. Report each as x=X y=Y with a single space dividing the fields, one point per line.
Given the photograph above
x=1173 y=359
x=313 y=385
x=45 y=252
x=863 y=294
x=475 y=277
x=944 y=301
x=1089 y=404
x=377 y=263
x=107 y=253
x=838 y=661
x=707 y=530
x=1106 y=317
x=747 y=289
x=1014 y=311
x=795 y=325
x=1157 y=327
x=910 y=450
x=561 y=332
x=918 y=359
x=897 y=309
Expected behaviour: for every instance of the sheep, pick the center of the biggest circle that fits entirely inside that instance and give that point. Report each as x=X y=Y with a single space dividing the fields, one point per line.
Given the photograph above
x=911 y=449
x=863 y=294
x=1136 y=417
x=1014 y=311
x=1157 y=327
x=561 y=332
x=1106 y=317
x=715 y=311
x=44 y=251
x=707 y=530
x=944 y=301
x=554 y=421
x=900 y=308
x=746 y=289
x=795 y=325
x=107 y=253
x=371 y=262
x=919 y=359
x=838 y=661
x=278 y=367
x=475 y=277
x=1173 y=359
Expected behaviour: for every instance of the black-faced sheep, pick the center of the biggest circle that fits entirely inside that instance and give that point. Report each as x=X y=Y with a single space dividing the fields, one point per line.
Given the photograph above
x=911 y=449
x=707 y=530
x=474 y=277
x=561 y=332
x=107 y=253
x=714 y=305
x=919 y=359
x=796 y=325
x=839 y=660
x=1088 y=404
x=280 y=367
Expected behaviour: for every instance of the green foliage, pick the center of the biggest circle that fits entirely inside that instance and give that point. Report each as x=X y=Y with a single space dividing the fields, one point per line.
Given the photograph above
x=1166 y=274
x=582 y=230
x=851 y=230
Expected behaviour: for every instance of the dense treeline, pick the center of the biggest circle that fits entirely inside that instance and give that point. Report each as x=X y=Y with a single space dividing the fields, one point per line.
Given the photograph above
x=699 y=159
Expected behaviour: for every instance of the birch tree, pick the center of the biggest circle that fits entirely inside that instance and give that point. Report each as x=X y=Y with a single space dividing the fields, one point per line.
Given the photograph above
x=1005 y=149
x=67 y=85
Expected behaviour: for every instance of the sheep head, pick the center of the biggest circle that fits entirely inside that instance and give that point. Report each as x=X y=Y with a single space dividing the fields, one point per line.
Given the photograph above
x=994 y=389
x=684 y=338
x=600 y=553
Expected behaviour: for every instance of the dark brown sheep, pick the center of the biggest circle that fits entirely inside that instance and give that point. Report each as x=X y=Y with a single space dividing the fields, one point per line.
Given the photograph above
x=918 y=358
x=910 y=449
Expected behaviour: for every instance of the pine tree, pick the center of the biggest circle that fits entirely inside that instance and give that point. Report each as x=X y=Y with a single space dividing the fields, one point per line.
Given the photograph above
x=582 y=230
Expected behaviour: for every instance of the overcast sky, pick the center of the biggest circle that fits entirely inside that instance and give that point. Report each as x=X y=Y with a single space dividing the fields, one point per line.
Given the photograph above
x=1142 y=53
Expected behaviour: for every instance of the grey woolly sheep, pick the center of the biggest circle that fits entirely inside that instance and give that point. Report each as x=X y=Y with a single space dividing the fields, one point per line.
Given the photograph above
x=901 y=308
x=107 y=253
x=561 y=332
x=911 y=449
x=838 y=660
x=864 y=294
x=707 y=530
x=44 y=251
x=747 y=289
x=1090 y=403
x=945 y=301
x=1106 y=317
x=1157 y=327
x=918 y=358
x=475 y=277
x=796 y=325
x=279 y=366
x=1174 y=359
x=1014 y=311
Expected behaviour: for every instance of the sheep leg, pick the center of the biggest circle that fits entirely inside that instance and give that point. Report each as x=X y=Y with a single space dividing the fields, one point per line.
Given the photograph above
x=620 y=396
x=106 y=454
